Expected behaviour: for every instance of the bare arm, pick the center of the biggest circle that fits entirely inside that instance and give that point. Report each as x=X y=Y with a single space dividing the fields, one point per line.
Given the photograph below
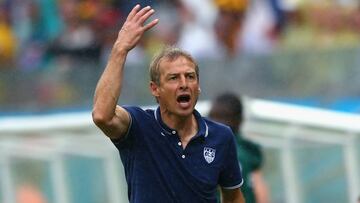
x=232 y=196
x=112 y=119
x=260 y=188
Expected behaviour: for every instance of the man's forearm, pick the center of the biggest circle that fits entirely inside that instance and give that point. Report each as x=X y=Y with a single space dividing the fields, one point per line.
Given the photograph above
x=109 y=86
x=232 y=196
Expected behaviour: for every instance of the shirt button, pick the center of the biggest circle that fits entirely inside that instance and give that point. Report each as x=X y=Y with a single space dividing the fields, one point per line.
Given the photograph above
x=173 y=132
x=179 y=143
x=183 y=156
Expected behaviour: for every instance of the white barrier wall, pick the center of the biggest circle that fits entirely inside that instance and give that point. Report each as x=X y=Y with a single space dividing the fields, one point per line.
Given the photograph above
x=309 y=152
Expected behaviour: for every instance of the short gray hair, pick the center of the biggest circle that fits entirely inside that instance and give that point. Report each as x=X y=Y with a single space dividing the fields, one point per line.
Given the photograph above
x=170 y=53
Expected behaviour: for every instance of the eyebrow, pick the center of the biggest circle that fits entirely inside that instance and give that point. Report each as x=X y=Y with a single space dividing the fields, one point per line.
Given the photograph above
x=188 y=72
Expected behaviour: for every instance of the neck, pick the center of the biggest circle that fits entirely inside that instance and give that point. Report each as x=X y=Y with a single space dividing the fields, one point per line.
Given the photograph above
x=186 y=126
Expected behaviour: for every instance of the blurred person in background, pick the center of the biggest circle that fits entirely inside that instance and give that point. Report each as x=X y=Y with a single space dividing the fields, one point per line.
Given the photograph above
x=197 y=35
x=229 y=22
x=77 y=40
x=171 y=154
x=30 y=184
x=106 y=18
x=35 y=23
x=212 y=28
x=7 y=38
x=264 y=24
x=227 y=108
x=28 y=193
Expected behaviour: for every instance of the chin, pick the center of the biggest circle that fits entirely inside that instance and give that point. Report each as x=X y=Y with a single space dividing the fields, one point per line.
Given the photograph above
x=185 y=112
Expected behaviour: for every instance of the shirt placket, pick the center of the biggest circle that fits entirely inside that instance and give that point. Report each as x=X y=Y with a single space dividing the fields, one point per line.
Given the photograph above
x=175 y=140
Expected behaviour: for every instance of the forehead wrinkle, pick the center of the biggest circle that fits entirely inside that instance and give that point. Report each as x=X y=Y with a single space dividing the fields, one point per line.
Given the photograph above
x=180 y=60
x=179 y=68
x=178 y=73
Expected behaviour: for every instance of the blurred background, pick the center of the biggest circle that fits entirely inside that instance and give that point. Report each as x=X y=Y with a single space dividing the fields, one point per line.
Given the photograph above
x=295 y=53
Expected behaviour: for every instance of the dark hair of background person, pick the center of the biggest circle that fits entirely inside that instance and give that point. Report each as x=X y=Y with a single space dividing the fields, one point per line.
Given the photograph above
x=227 y=108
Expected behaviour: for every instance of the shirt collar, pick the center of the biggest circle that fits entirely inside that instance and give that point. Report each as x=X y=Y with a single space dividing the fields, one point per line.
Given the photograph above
x=203 y=130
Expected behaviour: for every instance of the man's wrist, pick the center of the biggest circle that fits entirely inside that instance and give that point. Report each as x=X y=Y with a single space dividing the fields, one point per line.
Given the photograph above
x=118 y=51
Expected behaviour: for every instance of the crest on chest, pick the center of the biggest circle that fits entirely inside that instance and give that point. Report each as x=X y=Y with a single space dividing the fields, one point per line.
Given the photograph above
x=209 y=154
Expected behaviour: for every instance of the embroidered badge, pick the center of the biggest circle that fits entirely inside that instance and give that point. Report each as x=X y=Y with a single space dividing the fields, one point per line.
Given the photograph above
x=209 y=154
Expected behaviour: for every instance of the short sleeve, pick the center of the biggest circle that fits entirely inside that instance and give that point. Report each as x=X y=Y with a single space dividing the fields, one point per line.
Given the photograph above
x=126 y=140
x=230 y=175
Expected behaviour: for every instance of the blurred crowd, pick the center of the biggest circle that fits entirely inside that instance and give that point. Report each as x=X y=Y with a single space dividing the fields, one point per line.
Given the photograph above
x=35 y=34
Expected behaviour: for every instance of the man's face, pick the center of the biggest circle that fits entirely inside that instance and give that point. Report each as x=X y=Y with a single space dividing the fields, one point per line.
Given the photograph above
x=178 y=90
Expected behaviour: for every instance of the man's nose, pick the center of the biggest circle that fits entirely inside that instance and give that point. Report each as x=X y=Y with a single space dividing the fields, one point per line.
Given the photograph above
x=183 y=82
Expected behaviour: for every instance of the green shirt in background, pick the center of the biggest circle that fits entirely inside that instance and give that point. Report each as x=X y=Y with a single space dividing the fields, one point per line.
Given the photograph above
x=251 y=159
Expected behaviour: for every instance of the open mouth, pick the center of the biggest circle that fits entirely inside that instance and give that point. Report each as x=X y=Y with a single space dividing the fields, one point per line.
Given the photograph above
x=183 y=98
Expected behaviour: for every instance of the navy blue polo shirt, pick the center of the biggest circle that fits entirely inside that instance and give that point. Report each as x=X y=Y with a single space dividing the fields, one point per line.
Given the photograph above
x=158 y=169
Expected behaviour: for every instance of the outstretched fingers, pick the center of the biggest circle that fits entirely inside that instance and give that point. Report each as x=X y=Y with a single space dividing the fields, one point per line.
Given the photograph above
x=133 y=12
x=151 y=24
x=141 y=13
x=145 y=16
x=134 y=27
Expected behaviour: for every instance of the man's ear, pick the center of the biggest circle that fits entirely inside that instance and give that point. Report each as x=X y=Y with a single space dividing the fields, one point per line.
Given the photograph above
x=154 y=89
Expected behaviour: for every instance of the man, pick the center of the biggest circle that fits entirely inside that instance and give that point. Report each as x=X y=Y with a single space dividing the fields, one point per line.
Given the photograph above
x=227 y=109
x=170 y=154
x=229 y=23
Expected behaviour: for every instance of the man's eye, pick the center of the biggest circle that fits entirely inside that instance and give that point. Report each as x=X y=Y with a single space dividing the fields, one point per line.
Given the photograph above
x=191 y=76
x=172 y=78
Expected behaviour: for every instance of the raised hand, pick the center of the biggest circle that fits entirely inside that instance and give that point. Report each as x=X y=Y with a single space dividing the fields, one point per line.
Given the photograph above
x=134 y=27
x=112 y=119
